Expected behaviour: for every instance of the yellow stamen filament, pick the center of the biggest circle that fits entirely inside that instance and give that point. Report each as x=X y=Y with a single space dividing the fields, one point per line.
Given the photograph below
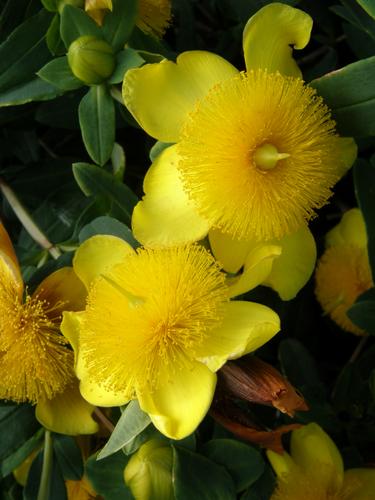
x=259 y=155
x=183 y=294
x=35 y=361
x=343 y=273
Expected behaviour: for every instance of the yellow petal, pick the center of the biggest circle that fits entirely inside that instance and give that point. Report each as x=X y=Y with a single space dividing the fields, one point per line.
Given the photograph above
x=67 y=413
x=166 y=216
x=257 y=268
x=181 y=400
x=161 y=95
x=90 y=391
x=348 y=150
x=245 y=327
x=292 y=270
x=63 y=291
x=315 y=452
x=351 y=230
x=283 y=465
x=361 y=482
x=97 y=255
x=8 y=259
x=230 y=253
x=269 y=35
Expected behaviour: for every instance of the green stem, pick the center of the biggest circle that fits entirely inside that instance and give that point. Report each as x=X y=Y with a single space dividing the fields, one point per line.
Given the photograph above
x=45 y=480
x=116 y=94
x=26 y=220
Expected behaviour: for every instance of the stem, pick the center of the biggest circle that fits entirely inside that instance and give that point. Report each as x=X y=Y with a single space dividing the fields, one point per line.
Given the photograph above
x=26 y=220
x=44 y=486
x=358 y=349
x=104 y=420
x=116 y=94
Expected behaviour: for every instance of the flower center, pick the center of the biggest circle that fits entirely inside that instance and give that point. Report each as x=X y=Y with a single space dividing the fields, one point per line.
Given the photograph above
x=151 y=311
x=267 y=156
x=249 y=126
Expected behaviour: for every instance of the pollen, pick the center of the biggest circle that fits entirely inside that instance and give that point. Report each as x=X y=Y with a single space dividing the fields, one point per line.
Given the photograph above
x=35 y=360
x=343 y=273
x=154 y=16
x=154 y=309
x=259 y=155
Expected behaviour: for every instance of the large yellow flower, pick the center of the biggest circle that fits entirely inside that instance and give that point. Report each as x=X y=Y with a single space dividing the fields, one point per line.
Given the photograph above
x=343 y=272
x=36 y=362
x=157 y=326
x=153 y=15
x=315 y=471
x=256 y=153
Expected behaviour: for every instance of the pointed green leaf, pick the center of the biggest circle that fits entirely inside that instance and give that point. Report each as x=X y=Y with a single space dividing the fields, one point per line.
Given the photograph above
x=107 y=225
x=353 y=106
x=126 y=59
x=34 y=90
x=131 y=423
x=95 y=181
x=75 y=23
x=58 y=73
x=107 y=476
x=368 y=6
x=118 y=24
x=97 y=121
x=24 y=52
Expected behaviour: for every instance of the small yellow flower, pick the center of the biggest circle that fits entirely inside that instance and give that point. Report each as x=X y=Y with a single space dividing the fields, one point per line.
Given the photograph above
x=153 y=15
x=257 y=152
x=157 y=326
x=343 y=272
x=314 y=470
x=36 y=360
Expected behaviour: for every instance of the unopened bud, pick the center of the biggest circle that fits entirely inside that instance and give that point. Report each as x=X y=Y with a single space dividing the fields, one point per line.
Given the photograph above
x=253 y=380
x=148 y=473
x=91 y=59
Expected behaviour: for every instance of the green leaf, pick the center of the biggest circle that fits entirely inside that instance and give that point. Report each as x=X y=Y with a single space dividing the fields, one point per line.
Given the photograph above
x=126 y=59
x=131 y=423
x=364 y=184
x=368 y=6
x=107 y=225
x=53 y=38
x=118 y=24
x=75 y=23
x=50 y=5
x=158 y=148
x=18 y=425
x=362 y=313
x=97 y=121
x=354 y=14
x=59 y=74
x=96 y=181
x=194 y=476
x=244 y=464
x=262 y=489
x=118 y=160
x=57 y=490
x=24 y=52
x=34 y=90
x=15 y=460
x=107 y=476
x=68 y=456
x=353 y=107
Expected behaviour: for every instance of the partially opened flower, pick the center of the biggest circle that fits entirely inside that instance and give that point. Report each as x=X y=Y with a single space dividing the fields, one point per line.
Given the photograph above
x=256 y=155
x=153 y=15
x=343 y=272
x=157 y=326
x=314 y=470
x=36 y=362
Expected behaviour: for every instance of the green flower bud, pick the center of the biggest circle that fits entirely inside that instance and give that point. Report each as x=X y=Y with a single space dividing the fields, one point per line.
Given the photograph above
x=149 y=471
x=76 y=3
x=91 y=59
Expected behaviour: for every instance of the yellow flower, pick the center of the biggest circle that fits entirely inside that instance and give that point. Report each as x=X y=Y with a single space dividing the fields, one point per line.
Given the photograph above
x=36 y=362
x=343 y=272
x=80 y=490
x=157 y=326
x=256 y=153
x=314 y=470
x=153 y=15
